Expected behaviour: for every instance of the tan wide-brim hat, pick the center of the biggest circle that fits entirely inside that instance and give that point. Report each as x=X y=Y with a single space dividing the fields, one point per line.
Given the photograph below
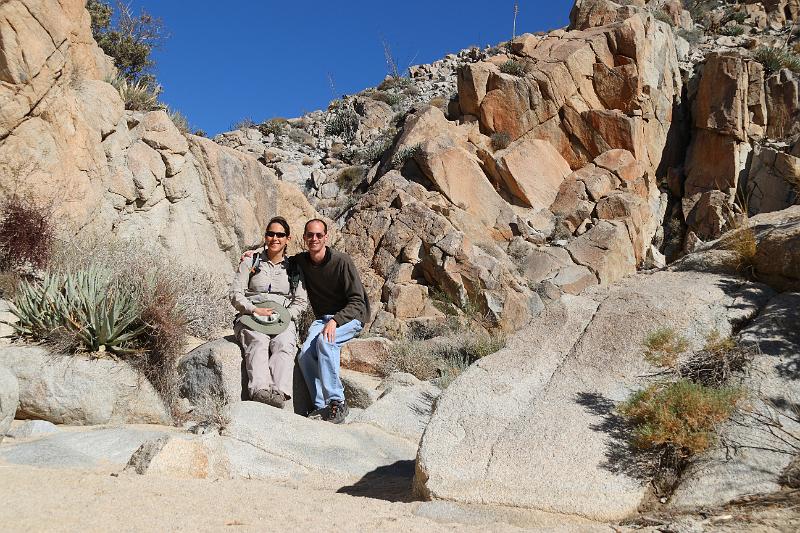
x=263 y=325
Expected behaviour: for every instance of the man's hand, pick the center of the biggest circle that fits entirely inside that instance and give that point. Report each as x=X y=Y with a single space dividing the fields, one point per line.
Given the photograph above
x=263 y=311
x=248 y=253
x=329 y=331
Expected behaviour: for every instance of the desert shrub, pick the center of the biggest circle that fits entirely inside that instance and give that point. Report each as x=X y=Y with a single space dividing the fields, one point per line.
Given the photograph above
x=180 y=120
x=732 y=30
x=663 y=16
x=663 y=347
x=404 y=154
x=348 y=178
x=127 y=38
x=737 y=16
x=342 y=121
x=775 y=59
x=682 y=415
x=440 y=102
x=513 y=67
x=301 y=137
x=393 y=99
x=716 y=363
x=200 y=132
x=243 y=124
x=395 y=82
x=692 y=36
x=500 y=140
x=141 y=95
x=442 y=358
x=26 y=233
x=744 y=245
x=372 y=152
x=274 y=126
x=412 y=90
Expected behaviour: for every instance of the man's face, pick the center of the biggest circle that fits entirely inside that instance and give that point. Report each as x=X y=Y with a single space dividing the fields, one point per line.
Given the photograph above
x=315 y=237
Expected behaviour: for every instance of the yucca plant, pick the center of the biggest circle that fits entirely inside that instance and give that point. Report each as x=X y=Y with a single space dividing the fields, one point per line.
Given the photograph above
x=137 y=96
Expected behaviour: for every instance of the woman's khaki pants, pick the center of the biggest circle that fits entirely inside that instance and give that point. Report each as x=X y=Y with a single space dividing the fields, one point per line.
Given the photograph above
x=269 y=360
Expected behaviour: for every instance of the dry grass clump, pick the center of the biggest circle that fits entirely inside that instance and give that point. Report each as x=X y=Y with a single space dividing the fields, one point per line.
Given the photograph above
x=683 y=415
x=513 y=67
x=663 y=347
x=141 y=95
x=716 y=363
x=744 y=245
x=500 y=140
x=442 y=357
x=404 y=154
x=275 y=126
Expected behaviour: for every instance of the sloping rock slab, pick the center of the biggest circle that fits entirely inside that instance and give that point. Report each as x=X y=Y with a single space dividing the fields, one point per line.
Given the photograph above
x=403 y=408
x=540 y=430
x=76 y=390
x=759 y=443
x=86 y=448
x=323 y=453
x=9 y=400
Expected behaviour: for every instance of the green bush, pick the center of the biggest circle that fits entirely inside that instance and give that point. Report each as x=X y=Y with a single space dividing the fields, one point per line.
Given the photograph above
x=393 y=99
x=733 y=30
x=128 y=39
x=404 y=154
x=682 y=415
x=274 y=126
x=395 y=82
x=372 y=152
x=140 y=95
x=663 y=347
x=342 y=121
x=775 y=59
x=513 y=67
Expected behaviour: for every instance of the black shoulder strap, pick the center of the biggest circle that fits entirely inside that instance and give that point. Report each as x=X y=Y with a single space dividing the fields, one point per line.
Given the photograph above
x=293 y=272
x=255 y=266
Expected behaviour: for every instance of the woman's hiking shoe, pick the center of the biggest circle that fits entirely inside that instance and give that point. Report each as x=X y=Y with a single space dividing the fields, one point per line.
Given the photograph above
x=337 y=411
x=269 y=397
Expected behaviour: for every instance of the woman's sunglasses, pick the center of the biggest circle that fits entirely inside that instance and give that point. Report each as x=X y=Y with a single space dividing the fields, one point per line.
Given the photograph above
x=278 y=234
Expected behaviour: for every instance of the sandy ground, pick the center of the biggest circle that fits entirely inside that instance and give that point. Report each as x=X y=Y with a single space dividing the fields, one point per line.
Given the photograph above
x=35 y=499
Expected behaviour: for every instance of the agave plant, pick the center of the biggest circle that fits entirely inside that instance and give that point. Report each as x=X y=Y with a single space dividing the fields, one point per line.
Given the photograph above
x=102 y=314
x=37 y=305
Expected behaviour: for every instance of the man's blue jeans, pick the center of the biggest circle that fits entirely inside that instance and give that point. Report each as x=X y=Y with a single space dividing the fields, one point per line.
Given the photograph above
x=319 y=360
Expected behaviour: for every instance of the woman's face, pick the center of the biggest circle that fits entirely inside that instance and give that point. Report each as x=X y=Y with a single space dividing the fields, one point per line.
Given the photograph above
x=276 y=237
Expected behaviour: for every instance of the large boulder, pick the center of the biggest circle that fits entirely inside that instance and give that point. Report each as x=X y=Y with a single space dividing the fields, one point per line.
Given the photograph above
x=761 y=441
x=9 y=400
x=81 y=391
x=214 y=370
x=548 y=437
x=307 y=450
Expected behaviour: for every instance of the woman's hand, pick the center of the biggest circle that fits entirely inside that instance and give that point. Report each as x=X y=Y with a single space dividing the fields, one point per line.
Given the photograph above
x=263 y=311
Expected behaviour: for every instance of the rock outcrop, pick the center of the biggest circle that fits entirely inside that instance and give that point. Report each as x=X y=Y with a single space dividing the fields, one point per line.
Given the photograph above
x=78 y=391
x=547 y=439
x=67 y=142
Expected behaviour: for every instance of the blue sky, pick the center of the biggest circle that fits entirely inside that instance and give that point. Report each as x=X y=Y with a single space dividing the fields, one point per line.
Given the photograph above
x=224 y=61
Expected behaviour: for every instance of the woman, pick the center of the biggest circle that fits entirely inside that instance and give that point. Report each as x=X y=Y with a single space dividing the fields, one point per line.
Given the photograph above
x=266 y=278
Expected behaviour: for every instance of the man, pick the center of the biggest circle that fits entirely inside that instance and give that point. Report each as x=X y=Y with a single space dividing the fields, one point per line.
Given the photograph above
x=340 y=307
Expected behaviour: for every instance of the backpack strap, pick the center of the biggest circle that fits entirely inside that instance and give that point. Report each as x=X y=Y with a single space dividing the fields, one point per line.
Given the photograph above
x=293 y=272
x=255 y=267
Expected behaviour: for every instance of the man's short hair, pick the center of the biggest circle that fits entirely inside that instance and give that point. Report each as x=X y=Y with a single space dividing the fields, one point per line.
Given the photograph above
x=324 y=224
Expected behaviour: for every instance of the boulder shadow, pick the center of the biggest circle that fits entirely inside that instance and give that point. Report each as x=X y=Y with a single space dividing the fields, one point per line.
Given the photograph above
x=391 y=483
x=622 y=456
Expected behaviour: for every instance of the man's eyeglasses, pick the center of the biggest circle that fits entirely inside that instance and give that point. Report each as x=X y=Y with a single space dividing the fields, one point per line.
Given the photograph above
x=278 y=234
x=311 y=235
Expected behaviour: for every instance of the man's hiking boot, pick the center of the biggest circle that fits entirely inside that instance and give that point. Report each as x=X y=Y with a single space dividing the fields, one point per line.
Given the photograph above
x=269 y=397
x=319 y=414
x=337 y=411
